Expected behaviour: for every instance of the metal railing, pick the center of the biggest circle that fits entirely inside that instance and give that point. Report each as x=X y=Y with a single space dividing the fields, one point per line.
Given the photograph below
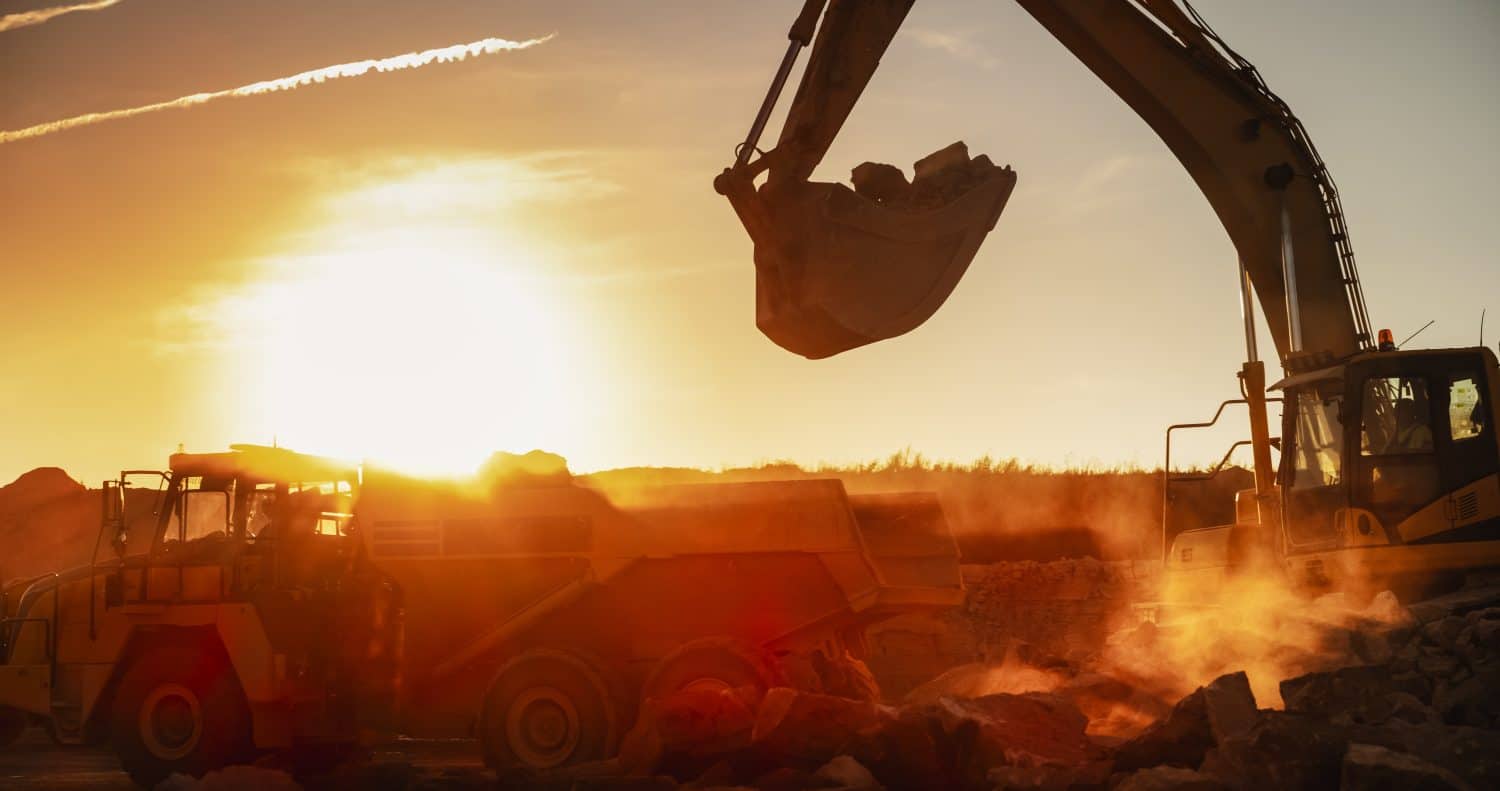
x=1166 y=468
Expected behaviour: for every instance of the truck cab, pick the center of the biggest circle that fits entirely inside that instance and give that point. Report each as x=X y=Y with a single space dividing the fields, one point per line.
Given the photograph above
x=226 y=610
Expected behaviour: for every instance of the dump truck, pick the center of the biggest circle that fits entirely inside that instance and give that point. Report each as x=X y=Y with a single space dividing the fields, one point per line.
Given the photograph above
x=1389 y=469
x=301 y=604
x=540 y=614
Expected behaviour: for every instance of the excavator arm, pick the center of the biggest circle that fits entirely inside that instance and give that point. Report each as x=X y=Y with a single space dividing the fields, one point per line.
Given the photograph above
x=837 y=268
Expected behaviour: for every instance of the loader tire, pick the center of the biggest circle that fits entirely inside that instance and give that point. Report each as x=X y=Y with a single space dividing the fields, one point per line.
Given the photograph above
x=548 y=708
x=180 y=709
x=712 y=663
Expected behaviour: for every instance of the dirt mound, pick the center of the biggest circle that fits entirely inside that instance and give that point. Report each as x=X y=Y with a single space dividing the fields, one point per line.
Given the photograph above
x=48 y=522
x=34 y=488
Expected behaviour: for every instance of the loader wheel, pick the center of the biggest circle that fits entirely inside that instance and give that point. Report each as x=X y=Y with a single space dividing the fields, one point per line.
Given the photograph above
x=714 y=663
x=548 y=708
x=12 y=725
x=179 y=709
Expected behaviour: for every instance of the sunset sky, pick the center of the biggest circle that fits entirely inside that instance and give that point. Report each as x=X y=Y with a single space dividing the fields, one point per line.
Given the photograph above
x=522 y=250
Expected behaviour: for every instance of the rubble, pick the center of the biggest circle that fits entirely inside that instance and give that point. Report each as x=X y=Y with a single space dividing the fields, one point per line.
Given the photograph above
x=939 y=178
x=1170 y=778
x=1423 y=718
x=233 y=778
x=1367 y=766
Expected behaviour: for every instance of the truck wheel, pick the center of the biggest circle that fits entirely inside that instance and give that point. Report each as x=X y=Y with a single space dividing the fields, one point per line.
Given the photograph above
x=179 y=709
x=711 y=663
x=12 y=725
x=547 y=708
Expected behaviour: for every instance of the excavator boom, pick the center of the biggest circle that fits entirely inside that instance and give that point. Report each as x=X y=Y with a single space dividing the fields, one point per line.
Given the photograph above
x=1243 y=147
x=838 y=268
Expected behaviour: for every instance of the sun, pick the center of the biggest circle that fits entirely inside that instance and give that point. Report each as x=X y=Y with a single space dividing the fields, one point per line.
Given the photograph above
x=423 y=348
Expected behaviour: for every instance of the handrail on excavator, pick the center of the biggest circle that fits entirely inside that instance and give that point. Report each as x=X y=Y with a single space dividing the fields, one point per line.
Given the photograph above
x=1166 y=468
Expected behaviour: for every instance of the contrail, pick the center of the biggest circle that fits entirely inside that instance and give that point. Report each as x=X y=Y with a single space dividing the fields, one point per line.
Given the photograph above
x=410 y=60
x=37 y=17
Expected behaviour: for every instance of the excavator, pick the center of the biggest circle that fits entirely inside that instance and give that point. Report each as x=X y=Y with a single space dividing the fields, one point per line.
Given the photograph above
x=1389 y=464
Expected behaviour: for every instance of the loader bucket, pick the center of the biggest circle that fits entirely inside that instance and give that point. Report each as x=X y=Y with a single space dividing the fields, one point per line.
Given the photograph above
x=837 y=269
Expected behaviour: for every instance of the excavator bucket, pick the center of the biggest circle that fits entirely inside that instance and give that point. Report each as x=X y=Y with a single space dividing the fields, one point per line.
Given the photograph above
x=837 y=268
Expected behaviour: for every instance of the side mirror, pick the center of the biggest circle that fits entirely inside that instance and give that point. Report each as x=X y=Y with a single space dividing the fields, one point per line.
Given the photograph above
x=114 y=516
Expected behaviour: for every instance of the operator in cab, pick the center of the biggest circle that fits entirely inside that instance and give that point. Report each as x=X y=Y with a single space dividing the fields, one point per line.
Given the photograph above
x=1413 y=434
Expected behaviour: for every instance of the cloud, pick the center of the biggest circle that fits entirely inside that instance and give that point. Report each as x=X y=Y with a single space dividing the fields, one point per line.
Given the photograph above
x=956 y=45
x=40 y=15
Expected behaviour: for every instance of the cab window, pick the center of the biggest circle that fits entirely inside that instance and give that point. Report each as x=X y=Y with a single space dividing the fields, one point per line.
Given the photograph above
x=1397 y=417
x=1465 y=408
x=205 y=513
x=1320 y=434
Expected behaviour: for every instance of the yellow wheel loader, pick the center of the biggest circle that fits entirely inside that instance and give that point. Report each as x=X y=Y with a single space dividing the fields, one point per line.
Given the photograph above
x=231 y=616
x=1388 y=468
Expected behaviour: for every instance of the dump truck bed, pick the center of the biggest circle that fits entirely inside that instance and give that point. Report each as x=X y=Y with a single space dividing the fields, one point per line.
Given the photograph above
x=628 y=577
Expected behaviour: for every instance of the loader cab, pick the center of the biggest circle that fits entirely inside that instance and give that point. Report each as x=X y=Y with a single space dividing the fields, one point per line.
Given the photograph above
x=1392 y=448
x=224 y=524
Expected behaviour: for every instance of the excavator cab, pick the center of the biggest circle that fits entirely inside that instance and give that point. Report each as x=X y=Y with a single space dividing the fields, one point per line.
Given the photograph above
x=837 y=268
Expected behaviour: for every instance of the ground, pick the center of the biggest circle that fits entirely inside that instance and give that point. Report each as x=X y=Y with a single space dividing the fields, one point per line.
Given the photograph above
x=37 y=763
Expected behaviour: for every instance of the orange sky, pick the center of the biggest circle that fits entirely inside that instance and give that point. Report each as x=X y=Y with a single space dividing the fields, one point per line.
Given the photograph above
x=523 y=250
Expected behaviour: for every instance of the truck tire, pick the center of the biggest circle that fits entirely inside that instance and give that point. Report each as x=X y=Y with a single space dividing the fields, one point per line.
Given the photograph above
x=712 y=663
x=548 y=708
x=179 y=709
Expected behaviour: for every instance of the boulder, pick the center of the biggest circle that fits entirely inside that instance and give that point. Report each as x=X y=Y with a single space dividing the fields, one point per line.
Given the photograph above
x=233 y=778
x=657 y=783
x=1368 y=767
x=1210 y=716
x=1229 y=706
x=970 y=737
x=789 y=778
x=1470 y=753
x=1459 y=602
x=687 y=731
x=943 y=160
x=808 y=730
x=1170 y=778
x=1284 y=750
x=1361 y=694
x=1475 y=701
x=879 y=182
x=1094 y=774
x=1444 y=632
x=1034 y=728
x=845 y=772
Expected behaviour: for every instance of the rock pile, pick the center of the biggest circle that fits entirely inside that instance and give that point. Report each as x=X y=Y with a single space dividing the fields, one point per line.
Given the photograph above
x=1061 y=608
x=1420 y=708
x=1421 y=712
x=940 y=178
x=798 y=740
